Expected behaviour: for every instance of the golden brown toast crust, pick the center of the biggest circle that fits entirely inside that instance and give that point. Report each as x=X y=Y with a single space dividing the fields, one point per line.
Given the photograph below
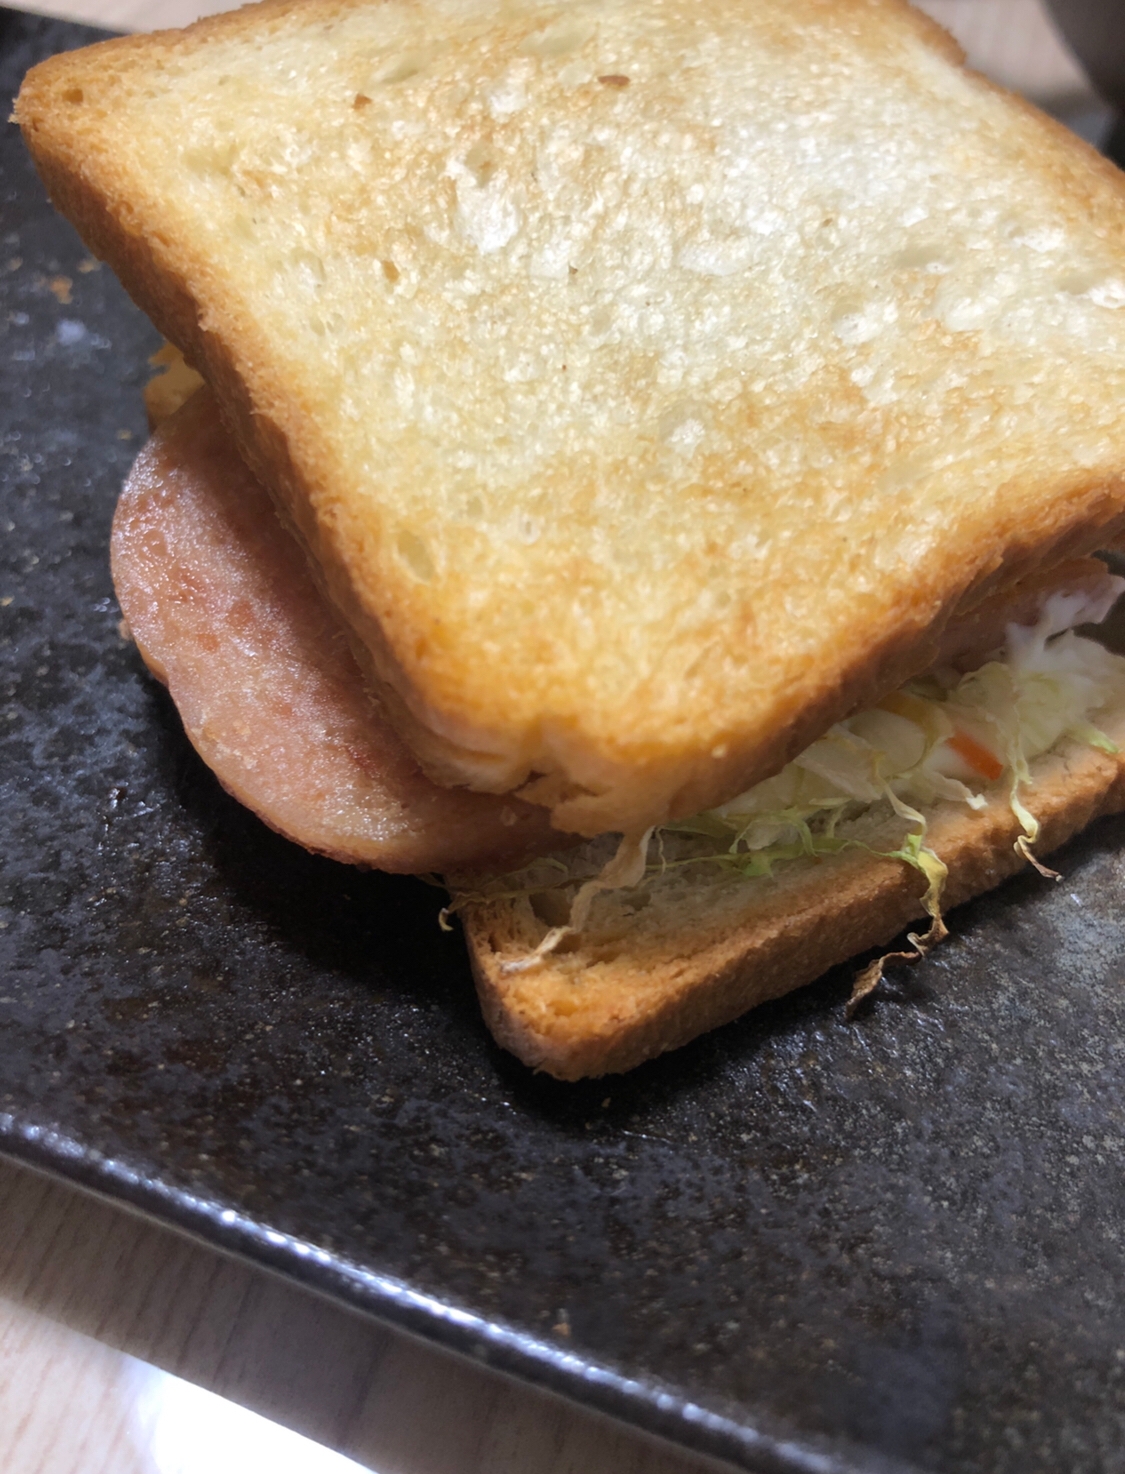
x=668 y=605
x=633 y=989
x=222 y=609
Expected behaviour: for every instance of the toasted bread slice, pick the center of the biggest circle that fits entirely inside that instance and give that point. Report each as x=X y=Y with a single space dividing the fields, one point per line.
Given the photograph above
x=694 y=949
x=224 y=612
x=216 y=594
x=649 y=382
x=217 y=597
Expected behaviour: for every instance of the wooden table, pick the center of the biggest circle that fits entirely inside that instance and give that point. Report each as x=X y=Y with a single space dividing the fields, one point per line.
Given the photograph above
x=116 y=1333
x=102 y=1313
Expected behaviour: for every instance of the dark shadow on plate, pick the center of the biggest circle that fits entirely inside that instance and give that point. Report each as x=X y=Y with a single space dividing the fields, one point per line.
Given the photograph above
x=379 y=930
x=609 y=1102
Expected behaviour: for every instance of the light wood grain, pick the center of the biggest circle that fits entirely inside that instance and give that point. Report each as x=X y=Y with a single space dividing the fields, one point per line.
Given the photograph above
x=89 y=1293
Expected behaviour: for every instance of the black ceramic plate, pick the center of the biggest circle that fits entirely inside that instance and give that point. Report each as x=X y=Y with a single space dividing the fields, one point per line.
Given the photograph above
x=800 y=1243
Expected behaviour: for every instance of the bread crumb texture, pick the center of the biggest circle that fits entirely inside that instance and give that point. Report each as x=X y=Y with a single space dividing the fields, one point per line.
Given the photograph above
x=221 y=606
x=647 y=376
x=691 y=949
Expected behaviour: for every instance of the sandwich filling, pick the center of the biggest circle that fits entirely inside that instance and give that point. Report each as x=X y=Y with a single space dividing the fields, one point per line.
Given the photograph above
x=943 y=737
x=939 y=737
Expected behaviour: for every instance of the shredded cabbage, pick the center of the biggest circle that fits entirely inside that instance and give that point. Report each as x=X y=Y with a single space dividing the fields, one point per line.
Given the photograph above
x=941 y=737
x=910 y=752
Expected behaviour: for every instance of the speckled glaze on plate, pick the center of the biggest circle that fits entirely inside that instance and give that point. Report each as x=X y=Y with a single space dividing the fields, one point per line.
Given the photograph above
x=800 y=1244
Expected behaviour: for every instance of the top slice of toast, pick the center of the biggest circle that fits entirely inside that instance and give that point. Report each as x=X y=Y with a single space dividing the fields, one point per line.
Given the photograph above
x=649 y=380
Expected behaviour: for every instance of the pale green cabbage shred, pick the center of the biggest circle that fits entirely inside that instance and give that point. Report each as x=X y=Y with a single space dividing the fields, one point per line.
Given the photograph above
x=1046 y=688
x=1017 y=708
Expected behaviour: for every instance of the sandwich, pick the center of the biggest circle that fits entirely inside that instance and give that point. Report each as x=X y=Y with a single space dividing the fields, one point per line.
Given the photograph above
x=220 y=602
x=693 y=418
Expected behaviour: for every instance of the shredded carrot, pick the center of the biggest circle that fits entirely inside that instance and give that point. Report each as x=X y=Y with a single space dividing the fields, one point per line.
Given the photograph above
x=978 y=757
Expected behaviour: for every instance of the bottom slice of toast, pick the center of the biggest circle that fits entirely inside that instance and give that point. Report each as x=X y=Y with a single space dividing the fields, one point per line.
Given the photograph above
x=694 y=948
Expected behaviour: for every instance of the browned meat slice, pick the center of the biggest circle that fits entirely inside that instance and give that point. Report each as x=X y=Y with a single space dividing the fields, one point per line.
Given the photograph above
x=223 y=610
x=222 y=607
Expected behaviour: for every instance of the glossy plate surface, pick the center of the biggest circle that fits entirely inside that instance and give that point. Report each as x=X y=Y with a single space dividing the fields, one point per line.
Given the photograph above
x=799 y=1243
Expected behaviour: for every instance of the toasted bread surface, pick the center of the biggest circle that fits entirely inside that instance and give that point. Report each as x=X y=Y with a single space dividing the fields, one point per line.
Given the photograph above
x=223 y=610
x=649 y=383
x=695 y=949
x=218 y=599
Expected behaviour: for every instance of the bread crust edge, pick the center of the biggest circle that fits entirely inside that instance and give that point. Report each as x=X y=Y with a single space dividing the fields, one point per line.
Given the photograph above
x=587 y=787
x=574 y=1022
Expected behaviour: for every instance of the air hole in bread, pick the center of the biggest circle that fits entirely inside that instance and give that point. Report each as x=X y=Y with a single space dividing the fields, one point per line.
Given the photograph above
x=215 y=156
x=1078 y=282
x=390 y=271
x=558 y=38
x=633 y=902
x=403 y=68
x=481 y=163
x=922 y=257
x=309 y=267
x=552 y=908
x=416 y=555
